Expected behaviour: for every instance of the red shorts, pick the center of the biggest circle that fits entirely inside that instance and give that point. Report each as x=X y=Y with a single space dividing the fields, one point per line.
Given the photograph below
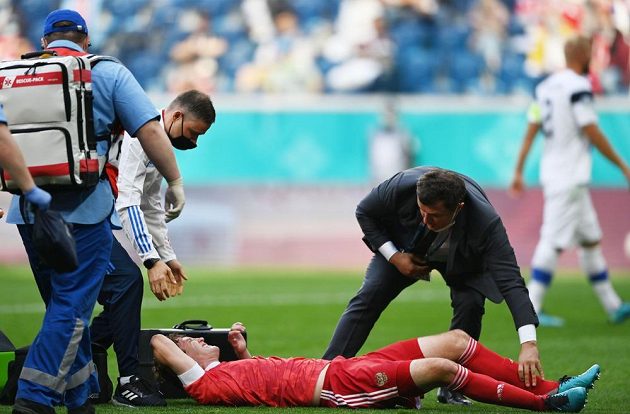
x=380 y=379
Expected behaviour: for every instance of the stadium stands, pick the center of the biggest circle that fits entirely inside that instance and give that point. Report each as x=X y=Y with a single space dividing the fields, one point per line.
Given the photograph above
x=492 y=47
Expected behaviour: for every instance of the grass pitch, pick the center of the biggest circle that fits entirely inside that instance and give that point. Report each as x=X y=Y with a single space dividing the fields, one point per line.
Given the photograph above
x=294 y=312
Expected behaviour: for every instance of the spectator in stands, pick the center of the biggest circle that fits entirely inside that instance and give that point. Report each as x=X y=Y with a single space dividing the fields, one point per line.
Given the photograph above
x=610 y=62
x=489 y=20
x=12 y=43
x=284 y=64
x=194 y=59
x=369 y=67
x=360 y=50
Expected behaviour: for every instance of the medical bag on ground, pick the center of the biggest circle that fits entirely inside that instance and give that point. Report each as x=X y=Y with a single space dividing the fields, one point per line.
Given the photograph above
x=47 y=101
x=165 y=379
x=7 y=356
x=11 y=363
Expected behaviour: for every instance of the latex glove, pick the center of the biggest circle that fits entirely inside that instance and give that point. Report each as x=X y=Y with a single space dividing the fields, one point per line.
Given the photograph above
x=174 y=199
x=38 y=197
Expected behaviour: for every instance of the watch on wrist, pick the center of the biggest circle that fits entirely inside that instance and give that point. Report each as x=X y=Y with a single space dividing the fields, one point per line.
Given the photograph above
x=149 y=263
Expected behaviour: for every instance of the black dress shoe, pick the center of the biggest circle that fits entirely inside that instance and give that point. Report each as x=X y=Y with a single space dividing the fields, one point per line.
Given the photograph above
x=22 y=406
x=446 y=396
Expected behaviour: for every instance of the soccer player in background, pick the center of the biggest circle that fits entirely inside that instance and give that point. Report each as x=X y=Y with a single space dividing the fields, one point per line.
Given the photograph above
x=564 y=112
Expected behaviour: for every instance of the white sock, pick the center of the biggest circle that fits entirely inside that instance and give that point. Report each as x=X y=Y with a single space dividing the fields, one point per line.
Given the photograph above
x=609 y=299
x=124 y=380
x=537 y=291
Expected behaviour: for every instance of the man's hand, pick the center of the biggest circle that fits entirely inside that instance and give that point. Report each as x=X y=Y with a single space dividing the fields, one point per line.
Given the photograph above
x=178 y=273
x=517 y=186
x=411 y=265
x=626 y=173
x=174 y=199
x=237 y=340
x=160 y=276
x=529 y=366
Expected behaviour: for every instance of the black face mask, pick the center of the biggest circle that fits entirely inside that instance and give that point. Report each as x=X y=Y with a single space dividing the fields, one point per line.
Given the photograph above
x=181 y=142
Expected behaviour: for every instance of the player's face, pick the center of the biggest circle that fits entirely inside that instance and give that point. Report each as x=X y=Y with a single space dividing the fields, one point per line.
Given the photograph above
x=197 y=349
x=437 y=217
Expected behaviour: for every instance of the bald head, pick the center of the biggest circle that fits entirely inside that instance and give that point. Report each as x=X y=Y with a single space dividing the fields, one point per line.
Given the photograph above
x=577 y=52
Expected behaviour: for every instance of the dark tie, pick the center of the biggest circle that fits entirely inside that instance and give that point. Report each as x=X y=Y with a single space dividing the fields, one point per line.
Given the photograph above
x=420 y=245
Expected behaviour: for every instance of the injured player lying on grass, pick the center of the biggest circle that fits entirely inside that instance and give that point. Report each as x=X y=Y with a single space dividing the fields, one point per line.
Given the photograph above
x=396 y=375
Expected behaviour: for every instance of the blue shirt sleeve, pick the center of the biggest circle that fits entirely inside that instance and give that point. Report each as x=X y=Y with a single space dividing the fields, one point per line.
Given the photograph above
x=3 y=118
x=116 y=91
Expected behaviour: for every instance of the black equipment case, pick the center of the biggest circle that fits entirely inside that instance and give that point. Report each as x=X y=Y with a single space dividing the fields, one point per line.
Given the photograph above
x=164 y=378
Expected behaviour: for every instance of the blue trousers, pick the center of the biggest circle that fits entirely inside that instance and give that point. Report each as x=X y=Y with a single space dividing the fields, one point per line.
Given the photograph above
x=119 y=322
x=58 y=369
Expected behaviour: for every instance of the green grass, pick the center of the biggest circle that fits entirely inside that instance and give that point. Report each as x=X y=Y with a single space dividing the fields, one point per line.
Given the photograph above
x=293 y=313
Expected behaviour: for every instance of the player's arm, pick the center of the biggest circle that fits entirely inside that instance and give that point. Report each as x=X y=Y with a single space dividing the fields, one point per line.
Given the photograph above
x=237 y=340
x=533 y=126
x=599 y=141
x=500 y=262
x=166 y=352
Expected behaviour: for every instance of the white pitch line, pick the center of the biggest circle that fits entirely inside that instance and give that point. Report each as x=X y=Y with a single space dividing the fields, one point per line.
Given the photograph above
x=229 y=300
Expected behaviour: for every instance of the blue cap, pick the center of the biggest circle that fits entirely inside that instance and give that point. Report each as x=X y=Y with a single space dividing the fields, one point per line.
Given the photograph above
x=64 y=15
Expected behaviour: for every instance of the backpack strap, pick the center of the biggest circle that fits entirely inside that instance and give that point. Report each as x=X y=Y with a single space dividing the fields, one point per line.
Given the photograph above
x=39 y=54
x=96 y=59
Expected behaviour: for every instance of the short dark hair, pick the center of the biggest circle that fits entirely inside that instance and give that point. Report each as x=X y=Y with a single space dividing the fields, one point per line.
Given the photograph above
x=197 y=104
x=441 y=185
x=71 y=35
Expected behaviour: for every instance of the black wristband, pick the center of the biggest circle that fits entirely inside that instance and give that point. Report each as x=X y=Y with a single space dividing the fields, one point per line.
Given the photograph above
x=149 y=263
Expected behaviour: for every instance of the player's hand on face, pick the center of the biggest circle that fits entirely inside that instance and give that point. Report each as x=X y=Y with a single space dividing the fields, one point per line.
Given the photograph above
x=529 y=365
x=159 y=276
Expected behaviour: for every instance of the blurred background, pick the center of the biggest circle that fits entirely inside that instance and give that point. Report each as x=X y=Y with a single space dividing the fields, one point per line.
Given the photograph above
x=319 y=100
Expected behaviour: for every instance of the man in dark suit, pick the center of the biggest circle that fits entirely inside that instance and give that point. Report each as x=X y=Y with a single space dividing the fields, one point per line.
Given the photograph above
x=429 y=218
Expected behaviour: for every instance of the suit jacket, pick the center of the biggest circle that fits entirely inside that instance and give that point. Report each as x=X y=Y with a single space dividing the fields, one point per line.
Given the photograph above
x=480 y=255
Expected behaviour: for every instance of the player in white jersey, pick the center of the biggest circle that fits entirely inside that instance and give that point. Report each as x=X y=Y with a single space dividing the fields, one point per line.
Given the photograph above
x=143 y=218
x=564 y=112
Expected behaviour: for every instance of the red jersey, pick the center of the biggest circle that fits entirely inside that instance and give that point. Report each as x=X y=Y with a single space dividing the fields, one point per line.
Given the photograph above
x=273 y=381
